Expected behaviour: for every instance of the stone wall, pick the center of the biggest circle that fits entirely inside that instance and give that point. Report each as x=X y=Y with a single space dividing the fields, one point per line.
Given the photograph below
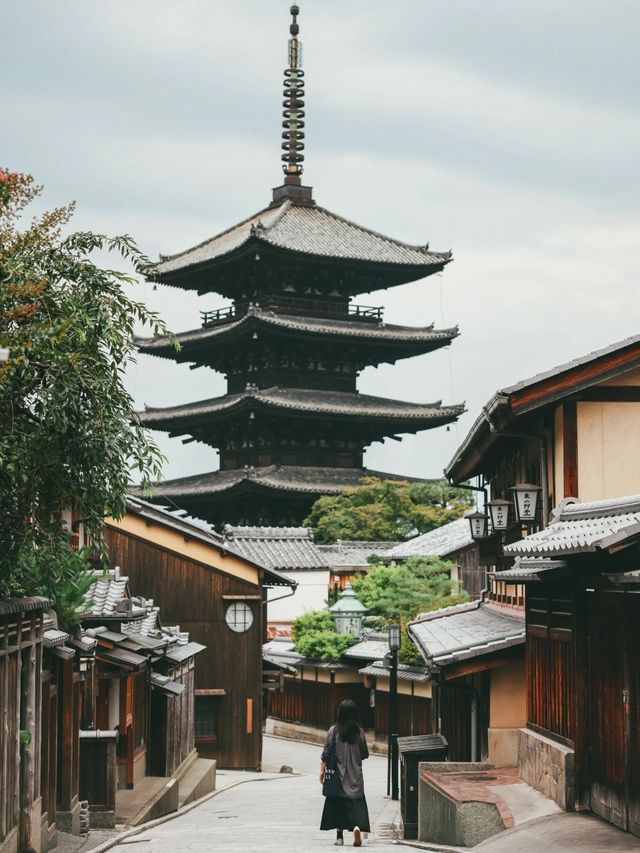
x=547 y=766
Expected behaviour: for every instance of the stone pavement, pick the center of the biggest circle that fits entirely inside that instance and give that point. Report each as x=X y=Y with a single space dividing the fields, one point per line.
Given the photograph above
x=280 y=813
x=270 y=812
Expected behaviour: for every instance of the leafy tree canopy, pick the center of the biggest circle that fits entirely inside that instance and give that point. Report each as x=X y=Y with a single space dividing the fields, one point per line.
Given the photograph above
x=315 y=636
x=390 y=510
x=67 y=434
x=397 y=593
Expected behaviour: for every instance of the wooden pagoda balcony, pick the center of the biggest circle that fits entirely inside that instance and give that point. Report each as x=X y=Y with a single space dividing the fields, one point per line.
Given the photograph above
x=297 y=306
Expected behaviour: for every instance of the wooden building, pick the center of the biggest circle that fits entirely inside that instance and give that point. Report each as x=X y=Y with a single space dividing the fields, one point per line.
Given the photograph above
x=21 y=633
x=474 y=653
x=581 y=743
x=572 y=430
x=310 y=695
x=450 y=542
x=292 y=426
x=219 y=597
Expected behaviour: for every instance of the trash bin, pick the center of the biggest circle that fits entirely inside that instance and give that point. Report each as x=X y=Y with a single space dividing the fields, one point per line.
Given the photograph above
x=412 y=751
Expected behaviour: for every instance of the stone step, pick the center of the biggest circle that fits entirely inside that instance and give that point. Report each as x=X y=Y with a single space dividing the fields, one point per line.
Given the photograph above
x=199 y=779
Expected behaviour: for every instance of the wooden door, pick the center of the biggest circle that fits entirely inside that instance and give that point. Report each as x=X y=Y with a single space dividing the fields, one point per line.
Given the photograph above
x=614 y=637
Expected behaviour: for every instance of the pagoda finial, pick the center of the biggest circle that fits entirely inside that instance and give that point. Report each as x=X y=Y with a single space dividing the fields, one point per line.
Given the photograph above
x=293 y=112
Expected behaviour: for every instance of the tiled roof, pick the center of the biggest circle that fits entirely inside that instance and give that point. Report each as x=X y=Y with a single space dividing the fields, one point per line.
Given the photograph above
x=371 y=333
x=290 y=478
x=276 y=547
x=307 y=230
x=585 y=527
x=373 y=647
x=466 y=631
x=336 y=403
x=436 y=543
x=353 y=554
x=405 y=672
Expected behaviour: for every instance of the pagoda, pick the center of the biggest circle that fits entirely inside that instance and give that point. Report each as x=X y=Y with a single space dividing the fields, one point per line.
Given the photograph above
x=292 y=426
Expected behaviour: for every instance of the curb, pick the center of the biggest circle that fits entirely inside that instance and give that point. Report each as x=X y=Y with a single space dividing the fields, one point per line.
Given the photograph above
x=143 y=827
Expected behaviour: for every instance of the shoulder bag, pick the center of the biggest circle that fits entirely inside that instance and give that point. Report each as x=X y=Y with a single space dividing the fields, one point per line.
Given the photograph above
x=332 y=786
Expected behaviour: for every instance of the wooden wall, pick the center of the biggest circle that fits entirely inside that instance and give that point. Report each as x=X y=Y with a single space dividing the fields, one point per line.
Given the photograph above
x=191 y=595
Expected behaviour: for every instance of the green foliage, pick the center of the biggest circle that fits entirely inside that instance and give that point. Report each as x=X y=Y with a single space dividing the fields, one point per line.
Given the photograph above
x=67 y=434
x=61 y=574
x=314 y=636
x=390 y=510
x=397 y=593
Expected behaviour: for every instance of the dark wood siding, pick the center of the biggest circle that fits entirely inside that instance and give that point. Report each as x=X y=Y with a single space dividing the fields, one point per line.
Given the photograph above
x=191 y=595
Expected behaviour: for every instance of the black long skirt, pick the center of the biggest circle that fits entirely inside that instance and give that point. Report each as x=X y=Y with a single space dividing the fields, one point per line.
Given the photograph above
x=345 y=813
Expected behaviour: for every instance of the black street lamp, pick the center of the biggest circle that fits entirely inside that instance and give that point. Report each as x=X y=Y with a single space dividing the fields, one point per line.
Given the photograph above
x=394 y=646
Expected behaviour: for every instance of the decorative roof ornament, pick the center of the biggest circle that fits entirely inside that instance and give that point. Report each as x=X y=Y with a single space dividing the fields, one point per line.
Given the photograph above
x=293 y=124
x=293 y=112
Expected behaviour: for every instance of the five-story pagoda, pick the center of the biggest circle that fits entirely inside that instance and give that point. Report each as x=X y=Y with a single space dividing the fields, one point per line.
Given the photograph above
x=292 y=426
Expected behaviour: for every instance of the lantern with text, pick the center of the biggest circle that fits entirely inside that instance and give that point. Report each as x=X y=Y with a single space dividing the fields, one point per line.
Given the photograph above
x=526 y=501
x=478 y=523
x=348 y=613
x=499 y=512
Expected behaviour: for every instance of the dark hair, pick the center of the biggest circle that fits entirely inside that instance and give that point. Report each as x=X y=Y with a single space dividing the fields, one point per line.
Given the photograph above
x=348 y=722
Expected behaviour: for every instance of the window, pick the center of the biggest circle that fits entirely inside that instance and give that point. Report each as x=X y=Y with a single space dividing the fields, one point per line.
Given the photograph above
x=239 y=617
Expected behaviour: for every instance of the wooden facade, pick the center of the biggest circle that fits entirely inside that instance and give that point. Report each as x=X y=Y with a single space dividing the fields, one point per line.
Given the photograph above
x=197 y=581
x=21 y=630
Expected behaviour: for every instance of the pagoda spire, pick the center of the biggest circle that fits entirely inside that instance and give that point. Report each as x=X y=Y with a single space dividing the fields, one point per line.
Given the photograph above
x=293 y=122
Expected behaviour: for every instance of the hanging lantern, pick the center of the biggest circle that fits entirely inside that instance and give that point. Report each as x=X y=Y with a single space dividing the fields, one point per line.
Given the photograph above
x=526 y=501
x=348 y=613
x=499 y=512
x=478 y=524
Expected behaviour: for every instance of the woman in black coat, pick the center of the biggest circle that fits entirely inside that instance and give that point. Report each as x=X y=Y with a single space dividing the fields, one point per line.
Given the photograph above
x=350 y=810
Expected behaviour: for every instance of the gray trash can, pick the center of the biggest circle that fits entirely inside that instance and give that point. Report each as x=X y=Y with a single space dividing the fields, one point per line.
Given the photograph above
x=412 y=751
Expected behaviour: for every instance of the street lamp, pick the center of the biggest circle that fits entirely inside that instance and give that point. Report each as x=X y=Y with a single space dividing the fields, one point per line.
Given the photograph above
x=478 y=523
x=499 y=512
x=394 y=647
x=526 y=501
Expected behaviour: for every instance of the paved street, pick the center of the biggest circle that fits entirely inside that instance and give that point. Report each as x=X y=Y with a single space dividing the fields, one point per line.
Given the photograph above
x=271 y=812
x=280 y=813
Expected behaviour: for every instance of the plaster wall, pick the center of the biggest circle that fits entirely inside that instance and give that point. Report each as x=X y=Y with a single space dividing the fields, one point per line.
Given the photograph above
x=507 y=713
x=311 y=594
x=608 y=438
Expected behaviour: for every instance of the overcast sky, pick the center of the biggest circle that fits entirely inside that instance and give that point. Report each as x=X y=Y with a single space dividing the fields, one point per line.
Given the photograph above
x=508 y=132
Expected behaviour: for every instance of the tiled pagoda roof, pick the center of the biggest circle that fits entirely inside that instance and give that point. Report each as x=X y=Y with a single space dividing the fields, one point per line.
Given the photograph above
x=304 y=402
x=305 y=230
x=411 y=340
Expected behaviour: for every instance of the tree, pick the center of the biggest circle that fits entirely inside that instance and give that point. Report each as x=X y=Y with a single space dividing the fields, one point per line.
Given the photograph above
x=398 y=593
x=390 y=510
x=315 y=636
x=67 y=433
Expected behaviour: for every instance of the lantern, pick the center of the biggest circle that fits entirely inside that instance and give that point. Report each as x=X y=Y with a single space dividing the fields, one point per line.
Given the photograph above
x=478 y=524
x=499 y=512
x=394 y=637
x=526 y=501
x=348 y=613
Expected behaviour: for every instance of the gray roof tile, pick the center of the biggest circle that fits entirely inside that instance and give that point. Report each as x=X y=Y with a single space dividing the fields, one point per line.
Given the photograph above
x=308 y=230
x=436 y=543
x=466 y=631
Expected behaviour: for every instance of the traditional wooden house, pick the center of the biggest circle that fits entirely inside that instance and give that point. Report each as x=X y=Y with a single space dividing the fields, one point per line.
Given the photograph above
x=21 y=636
x=293 y=426
x=572 y=430
x=581 y=743
x=312 y=690
x=474 y=654
x=219 y=597
x=450 y=542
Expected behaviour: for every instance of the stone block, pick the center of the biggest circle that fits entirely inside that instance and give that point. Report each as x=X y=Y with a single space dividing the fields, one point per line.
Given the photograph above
x=547 y=766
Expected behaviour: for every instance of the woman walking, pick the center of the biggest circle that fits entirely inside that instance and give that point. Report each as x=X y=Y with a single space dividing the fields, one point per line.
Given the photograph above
x=345 y=749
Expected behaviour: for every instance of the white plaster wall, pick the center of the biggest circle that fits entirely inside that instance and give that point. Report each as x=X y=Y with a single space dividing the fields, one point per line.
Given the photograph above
x=311 y=594
x=608 y=457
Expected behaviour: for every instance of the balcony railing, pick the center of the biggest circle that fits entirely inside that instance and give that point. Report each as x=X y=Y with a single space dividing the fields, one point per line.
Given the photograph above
x=298 y=306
